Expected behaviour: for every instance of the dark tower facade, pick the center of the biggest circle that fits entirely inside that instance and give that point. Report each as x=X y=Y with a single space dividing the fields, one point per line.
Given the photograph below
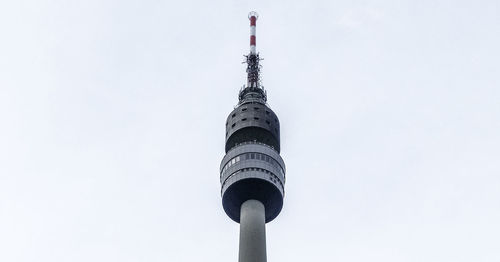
x=252 y=169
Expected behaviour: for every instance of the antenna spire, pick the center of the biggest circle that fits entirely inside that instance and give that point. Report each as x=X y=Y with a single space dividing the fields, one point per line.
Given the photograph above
x=253 y=59
x=253 y=90
x=253 y=23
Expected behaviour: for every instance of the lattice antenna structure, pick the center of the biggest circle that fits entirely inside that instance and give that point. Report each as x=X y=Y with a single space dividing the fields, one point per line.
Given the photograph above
x=253 y=90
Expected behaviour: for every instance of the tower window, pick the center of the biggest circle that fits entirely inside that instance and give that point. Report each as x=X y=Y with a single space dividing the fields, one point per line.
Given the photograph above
x=233 y=115
x=256 y=118
x=256 y=108
x=267 y=121
x=243 y=109
x=233 y=125
x=243 y=119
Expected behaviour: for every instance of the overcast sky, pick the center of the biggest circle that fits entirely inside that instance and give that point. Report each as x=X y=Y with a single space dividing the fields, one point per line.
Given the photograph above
x=112 y=128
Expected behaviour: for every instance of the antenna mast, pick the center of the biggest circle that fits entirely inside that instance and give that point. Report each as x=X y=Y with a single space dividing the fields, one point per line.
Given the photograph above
x=253 y=68
x=253 y=92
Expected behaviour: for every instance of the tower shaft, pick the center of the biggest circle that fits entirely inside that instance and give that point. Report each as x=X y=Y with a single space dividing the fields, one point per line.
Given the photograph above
x=252 y=232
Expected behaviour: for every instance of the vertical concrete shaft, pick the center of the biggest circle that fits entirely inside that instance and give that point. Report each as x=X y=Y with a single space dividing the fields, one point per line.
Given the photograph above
x=252 y=232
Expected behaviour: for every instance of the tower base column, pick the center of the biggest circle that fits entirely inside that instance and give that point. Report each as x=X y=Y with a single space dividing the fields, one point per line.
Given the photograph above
x=252 y=232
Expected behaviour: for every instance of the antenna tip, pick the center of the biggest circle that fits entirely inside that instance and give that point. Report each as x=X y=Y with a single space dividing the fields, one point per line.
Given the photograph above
x=253 y=14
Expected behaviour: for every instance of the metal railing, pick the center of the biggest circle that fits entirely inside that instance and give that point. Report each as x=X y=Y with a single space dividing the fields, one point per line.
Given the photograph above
x=251 y=143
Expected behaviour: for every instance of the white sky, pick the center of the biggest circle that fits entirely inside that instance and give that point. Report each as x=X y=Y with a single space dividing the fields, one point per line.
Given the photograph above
x=112 y=128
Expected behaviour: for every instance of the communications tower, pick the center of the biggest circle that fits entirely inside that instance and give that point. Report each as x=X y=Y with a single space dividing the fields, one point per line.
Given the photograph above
x=252 y=173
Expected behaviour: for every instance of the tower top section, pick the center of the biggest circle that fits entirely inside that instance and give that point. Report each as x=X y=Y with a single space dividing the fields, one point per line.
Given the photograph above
x=253 y=91
x=252 y=168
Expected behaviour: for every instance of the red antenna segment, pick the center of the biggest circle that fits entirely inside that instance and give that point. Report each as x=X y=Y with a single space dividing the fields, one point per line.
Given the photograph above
x=253 y=23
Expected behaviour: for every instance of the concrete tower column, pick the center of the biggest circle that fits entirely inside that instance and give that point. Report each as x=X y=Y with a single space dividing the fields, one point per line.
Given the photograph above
x=252 y=232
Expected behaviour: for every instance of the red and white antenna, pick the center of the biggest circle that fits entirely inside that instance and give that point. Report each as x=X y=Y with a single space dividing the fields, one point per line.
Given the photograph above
x=253 y=22
x=253 y=67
